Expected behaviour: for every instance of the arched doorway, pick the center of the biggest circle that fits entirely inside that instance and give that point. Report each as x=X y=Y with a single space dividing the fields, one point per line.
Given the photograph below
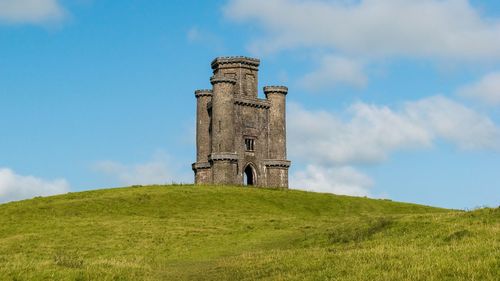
x=249 y=176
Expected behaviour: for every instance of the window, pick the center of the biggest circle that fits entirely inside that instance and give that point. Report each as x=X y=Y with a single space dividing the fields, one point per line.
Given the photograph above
x=250 y=144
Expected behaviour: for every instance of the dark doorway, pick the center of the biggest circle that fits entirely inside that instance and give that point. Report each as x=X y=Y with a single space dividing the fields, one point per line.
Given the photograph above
x=248 y=176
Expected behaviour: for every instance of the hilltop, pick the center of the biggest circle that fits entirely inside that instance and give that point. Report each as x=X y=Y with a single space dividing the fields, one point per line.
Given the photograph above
x=236 y=233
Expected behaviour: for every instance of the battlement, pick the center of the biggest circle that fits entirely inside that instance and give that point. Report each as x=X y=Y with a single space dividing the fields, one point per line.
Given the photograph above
x=277 y=163
x=203 y=93
x=256 y=103
x=235 y=62
x=276 y=89
x=221 y=79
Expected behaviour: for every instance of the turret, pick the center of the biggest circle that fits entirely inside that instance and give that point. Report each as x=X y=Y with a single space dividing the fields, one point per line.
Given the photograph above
x=223 y=155
x=276 y=95
x=222 y=114
x=243 y=70
x=203 y=174
x=277 y=165
x=203 y=98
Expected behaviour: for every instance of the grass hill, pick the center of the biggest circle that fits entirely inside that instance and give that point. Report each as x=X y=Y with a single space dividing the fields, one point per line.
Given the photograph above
x=235 y=233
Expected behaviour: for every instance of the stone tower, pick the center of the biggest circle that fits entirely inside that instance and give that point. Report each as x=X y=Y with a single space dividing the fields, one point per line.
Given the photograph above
x=240 y=139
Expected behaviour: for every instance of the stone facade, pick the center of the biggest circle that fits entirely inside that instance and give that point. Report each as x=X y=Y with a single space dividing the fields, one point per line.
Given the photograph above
x=240 y=139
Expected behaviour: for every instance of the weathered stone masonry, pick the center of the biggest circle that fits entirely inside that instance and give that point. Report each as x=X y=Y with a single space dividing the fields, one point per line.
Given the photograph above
x=240 y=139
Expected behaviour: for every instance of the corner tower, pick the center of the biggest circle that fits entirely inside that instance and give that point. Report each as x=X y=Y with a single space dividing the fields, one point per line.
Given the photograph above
x=240 y=138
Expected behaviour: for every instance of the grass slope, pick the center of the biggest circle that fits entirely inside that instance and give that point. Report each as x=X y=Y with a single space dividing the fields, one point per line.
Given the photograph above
x=225 y=233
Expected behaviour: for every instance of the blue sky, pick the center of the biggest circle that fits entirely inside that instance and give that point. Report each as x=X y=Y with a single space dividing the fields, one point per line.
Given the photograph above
x=388 y=99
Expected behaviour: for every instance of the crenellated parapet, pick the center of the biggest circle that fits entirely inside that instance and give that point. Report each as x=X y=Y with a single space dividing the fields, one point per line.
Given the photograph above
x=203 y=93
x=235 y=62
x=243 y=70
x=219 y=79
x=256 y=103
x=277 y=163
x=275 y=90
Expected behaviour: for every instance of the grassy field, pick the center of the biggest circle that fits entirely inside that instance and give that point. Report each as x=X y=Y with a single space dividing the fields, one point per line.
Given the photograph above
x=234 y=233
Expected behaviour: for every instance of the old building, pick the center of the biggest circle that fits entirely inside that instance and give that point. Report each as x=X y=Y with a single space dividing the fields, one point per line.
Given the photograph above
x=240 y=139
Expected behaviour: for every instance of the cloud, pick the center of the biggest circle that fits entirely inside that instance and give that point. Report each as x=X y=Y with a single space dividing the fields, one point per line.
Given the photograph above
x=486 y=90
x=158 y=170
x=454 y=122
x=442 y=29
x=370 y=132
x=338 y=180
x=334 y=143
x=15 y=187
x=30 y=11
x=335 y=70
x=205 y=38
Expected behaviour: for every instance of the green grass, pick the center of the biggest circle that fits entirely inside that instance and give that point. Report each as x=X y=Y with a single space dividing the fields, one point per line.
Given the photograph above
x=234 y=233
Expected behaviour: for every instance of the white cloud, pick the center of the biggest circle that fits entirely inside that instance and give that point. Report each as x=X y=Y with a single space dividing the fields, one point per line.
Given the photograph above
x=322 y=137
x=372 y=132
x=444 y=29
x=332 y=144
x=15 y=187
x=158 y=170
x=30 y=11
x=454 y=122
x=338 y=180
x=486 y=90
x=335 y=70
x=205 y=38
